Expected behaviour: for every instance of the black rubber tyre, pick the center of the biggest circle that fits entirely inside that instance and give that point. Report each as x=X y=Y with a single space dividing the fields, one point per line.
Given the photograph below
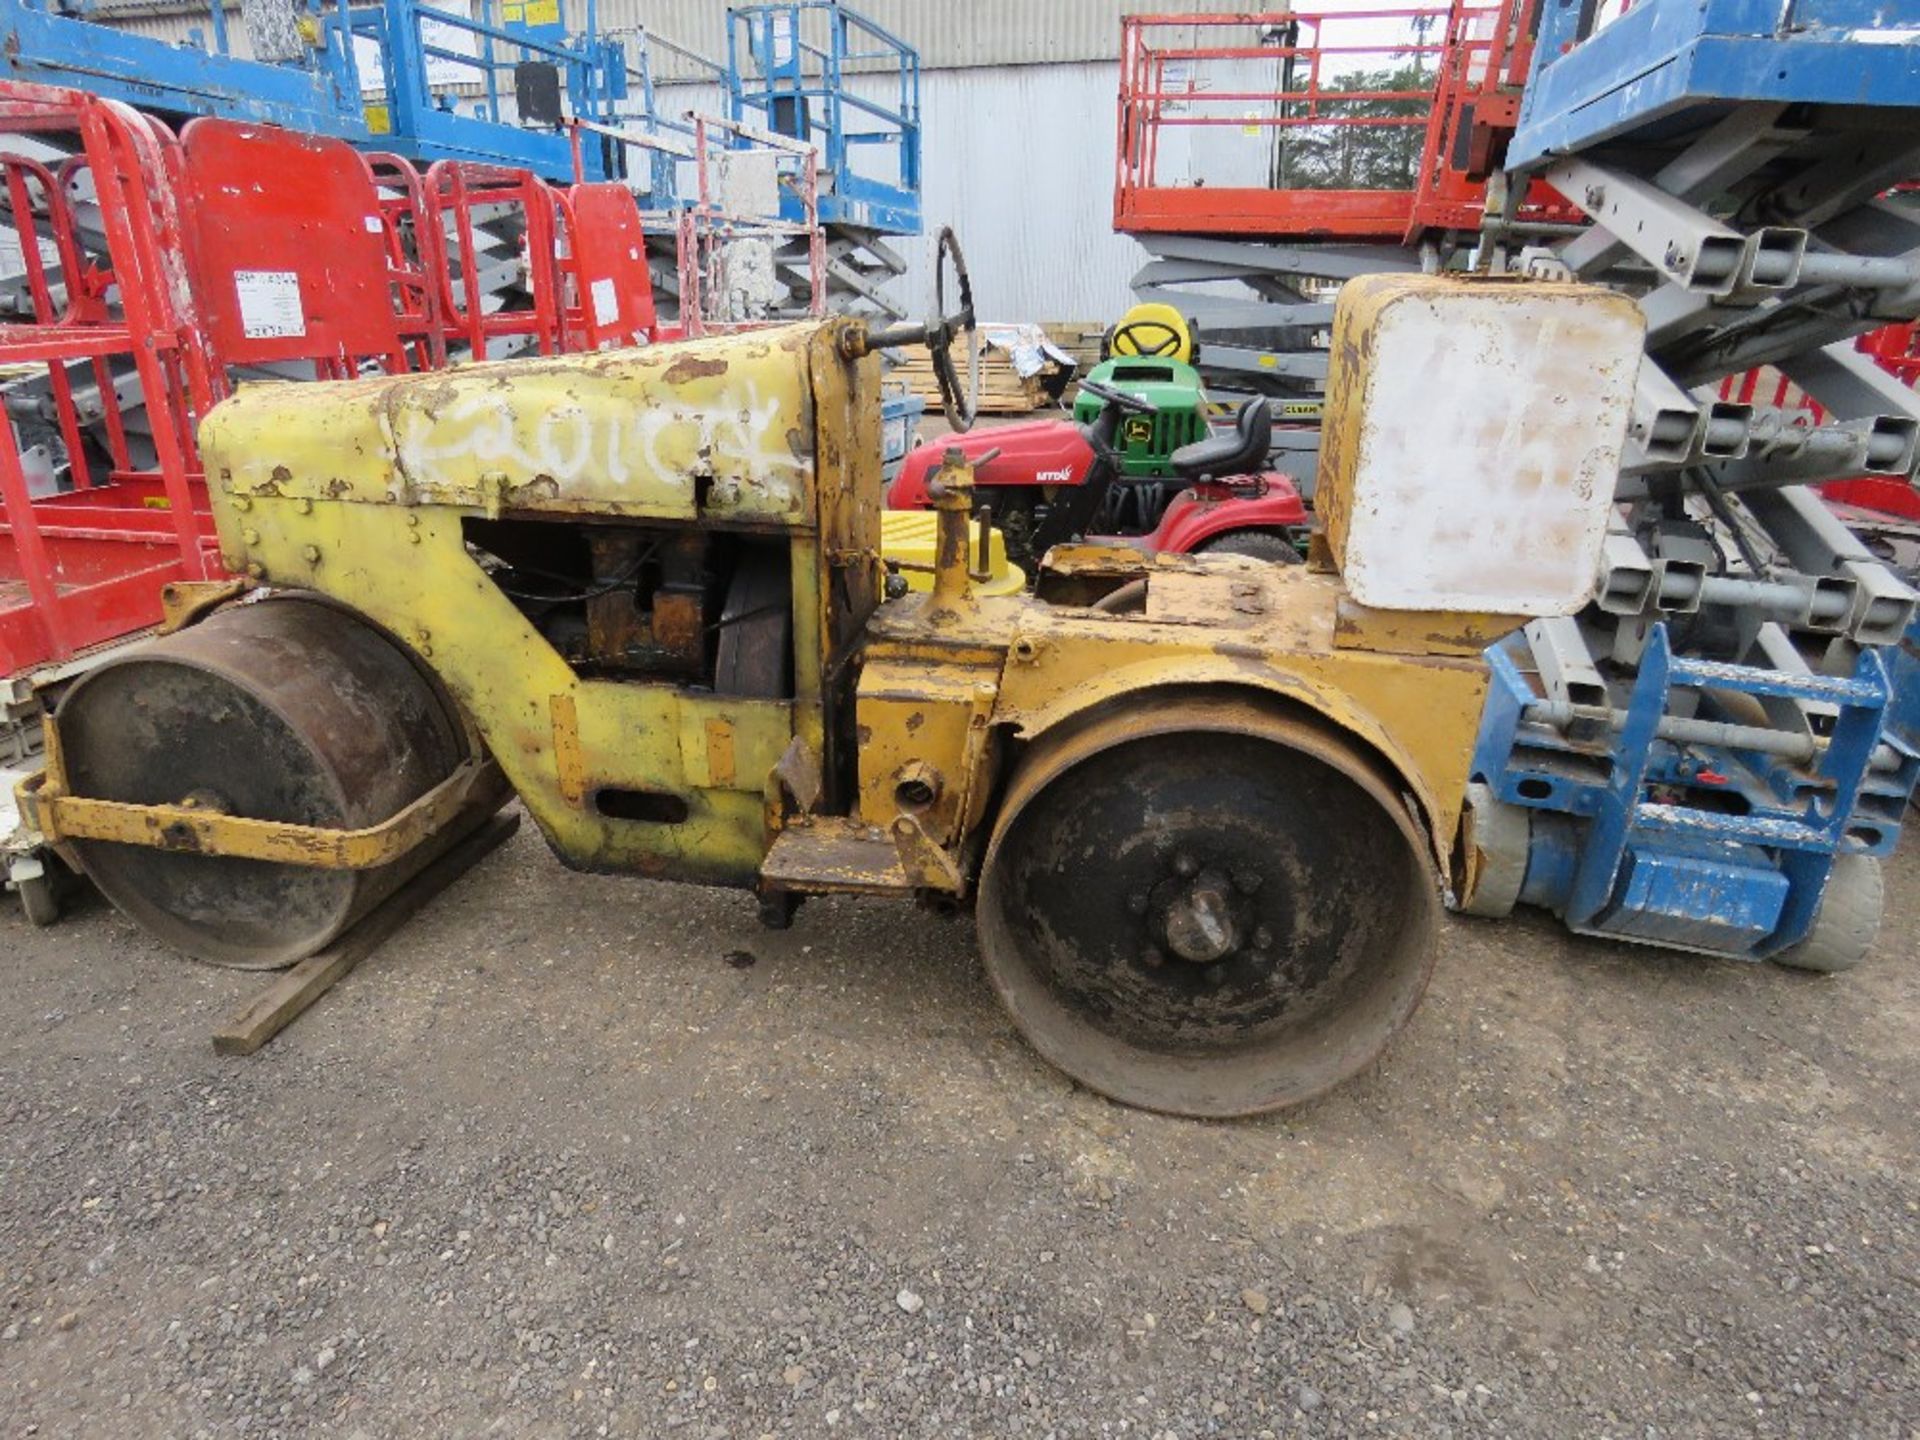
x=1207 y=923
x=1256 y=545
x=1849 y=919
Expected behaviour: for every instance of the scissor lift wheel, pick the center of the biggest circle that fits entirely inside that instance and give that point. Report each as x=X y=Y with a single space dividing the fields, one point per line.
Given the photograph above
x=38 y=899
x=1848 y=922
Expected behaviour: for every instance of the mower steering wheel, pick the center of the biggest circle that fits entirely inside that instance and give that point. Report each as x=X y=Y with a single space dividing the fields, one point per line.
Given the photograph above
x=1125 y=403
x=960 y=405
x=1169 y=342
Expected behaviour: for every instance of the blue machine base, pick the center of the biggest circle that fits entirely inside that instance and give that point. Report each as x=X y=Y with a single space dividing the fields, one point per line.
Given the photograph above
x=1660 y=60
x=1696 y=901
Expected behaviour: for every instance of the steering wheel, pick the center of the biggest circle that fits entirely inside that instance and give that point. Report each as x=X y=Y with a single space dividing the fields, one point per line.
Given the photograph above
x=1126 y=403
x=1148 y=338
x=960 y=405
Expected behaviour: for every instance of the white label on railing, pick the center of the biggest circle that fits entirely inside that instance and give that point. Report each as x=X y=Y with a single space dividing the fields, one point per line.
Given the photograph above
x=606 y=302
x=269 y=303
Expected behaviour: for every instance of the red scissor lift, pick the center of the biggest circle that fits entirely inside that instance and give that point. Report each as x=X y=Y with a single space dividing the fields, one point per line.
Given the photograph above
x=233 y=251
x=1262 y=159
x=1461 y=66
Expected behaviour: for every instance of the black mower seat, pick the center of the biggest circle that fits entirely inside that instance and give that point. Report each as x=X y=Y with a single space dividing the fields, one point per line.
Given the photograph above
x=1239 y=452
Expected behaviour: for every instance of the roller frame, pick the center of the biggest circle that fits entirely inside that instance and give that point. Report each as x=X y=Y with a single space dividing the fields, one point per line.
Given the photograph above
x=61 y=816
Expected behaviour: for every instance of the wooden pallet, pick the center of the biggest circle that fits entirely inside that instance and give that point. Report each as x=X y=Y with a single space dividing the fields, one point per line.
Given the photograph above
x=1081 y=340
x=1002 y=390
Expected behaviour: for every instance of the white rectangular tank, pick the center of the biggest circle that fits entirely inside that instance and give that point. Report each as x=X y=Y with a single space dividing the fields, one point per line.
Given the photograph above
x=1472 y=440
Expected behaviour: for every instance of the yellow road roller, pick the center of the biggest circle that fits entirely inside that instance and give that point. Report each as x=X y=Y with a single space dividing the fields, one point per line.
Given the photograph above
x=1205 y=809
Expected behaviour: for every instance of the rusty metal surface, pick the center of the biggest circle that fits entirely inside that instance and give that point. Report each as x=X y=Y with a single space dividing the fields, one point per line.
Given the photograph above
x=718 y=427
x=616 y=626
x=680 y=625
x=1231 y=601
x=569 y=766
x=836 y=856
x=923 y=721
x=1418 y=632
x=922 y=860
x=316 y=489
x=184 y=601
x=285 y=711
x=63 y=818
x=1418 y=710
x=1207 y=907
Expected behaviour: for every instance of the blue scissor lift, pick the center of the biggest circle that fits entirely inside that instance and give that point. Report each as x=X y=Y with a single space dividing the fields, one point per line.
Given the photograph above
x=1712 y=755
x=815 y=72
x=536 y=84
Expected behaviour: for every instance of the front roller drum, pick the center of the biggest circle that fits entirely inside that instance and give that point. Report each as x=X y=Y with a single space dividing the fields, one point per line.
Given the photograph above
x=1207 y=909
x=286 y=709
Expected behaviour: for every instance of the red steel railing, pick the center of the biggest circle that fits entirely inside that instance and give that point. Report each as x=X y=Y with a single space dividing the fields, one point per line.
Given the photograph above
x=1376 y=124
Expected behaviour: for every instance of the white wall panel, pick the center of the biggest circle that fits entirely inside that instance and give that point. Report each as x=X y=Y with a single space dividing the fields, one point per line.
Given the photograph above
x=949 y=34
x=1020 y=162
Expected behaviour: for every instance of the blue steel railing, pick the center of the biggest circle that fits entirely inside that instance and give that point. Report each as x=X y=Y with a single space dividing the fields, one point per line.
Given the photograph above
x=317 y=91
x=788 y=72
x=479 y=51
x=669 y=138
x=788 y=68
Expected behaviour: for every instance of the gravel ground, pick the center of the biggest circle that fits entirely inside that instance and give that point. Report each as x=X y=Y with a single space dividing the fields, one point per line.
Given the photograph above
x=578 y=1156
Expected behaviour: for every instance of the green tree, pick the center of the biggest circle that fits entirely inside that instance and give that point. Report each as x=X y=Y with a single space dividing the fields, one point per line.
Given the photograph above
x=1344 y=156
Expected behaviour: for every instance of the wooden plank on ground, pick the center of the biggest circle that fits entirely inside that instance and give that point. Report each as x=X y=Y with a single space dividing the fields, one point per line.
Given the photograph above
x=282 y=1002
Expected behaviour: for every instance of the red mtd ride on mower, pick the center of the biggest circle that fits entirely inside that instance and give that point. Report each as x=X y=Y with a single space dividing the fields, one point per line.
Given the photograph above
x=1170 y=482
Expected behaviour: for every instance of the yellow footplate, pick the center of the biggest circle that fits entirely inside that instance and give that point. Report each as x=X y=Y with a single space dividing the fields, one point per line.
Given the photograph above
x=828 y=855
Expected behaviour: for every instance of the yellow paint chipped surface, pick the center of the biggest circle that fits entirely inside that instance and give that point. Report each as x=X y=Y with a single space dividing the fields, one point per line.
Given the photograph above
x=722 y=426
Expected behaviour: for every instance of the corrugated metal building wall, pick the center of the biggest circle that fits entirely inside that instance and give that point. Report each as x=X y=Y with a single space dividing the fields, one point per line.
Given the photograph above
x=949 y=34
x=1019 y=161
x=1017 y=104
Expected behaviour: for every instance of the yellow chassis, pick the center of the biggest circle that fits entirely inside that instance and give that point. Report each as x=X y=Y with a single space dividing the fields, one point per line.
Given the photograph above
x=359 y=490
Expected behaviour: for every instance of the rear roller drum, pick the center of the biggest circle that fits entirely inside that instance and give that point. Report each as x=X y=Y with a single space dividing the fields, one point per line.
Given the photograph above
x=1225 y=917
x=288 y=709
